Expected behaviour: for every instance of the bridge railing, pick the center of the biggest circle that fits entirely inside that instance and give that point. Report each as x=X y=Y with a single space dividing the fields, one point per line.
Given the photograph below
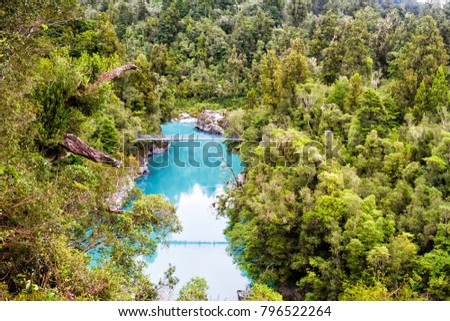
x=176 y=242
x=184 y=138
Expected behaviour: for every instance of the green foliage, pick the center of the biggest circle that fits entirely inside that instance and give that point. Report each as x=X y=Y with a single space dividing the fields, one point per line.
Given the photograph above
x=194 y=290
x=362 y=292
x=107 y=135
x=298 y=10
x=56 y=216
x=169 y=20
x=419 y=61
x=58 y=85
x=339 y=92
x=326 y=31
x=332 y=60
x=371 y=115
x=430 y=99
x=261 y=292
x=356 y=54
x=348 y=199
x=274 y=8
x=353 y=97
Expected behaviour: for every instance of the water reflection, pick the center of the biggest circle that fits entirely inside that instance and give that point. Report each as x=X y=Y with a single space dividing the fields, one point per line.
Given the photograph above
x=210 y=262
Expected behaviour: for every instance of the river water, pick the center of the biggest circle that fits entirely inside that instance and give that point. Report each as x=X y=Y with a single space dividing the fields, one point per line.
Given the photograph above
x=189 y=174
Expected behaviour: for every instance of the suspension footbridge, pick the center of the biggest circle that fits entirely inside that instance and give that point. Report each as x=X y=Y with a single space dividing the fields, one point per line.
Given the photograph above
x=185 y=138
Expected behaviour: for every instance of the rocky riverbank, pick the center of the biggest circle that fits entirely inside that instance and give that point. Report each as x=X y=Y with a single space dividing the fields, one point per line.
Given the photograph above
x=213 y=122
x=153 y=149
x=117 y=200
x=185 y=118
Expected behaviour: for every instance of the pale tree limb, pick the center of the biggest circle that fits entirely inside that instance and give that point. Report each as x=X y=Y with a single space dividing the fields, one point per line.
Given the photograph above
x=75 y=145
x=110 y=75
x=236 y=179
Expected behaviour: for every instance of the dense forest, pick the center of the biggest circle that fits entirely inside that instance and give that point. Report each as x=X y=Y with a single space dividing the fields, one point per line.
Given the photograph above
x=343 y=107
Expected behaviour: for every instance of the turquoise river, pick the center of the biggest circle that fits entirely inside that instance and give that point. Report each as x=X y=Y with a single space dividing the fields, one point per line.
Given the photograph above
x=189 y=174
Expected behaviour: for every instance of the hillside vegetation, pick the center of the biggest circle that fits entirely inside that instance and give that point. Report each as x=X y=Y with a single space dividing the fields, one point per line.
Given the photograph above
x=343 y=107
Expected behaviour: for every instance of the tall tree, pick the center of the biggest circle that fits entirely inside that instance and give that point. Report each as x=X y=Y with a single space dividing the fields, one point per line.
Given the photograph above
x=297 y=11
x=419 y=61
x=236 y=64
x=430 y=98
x=325 y=33
x=355 y=47
x=168 y=22
x=352 y=101
x=275 y=9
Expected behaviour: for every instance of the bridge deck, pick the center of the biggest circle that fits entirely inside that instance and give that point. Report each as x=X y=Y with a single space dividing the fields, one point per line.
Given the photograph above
x=175 y=242
x=185 y=138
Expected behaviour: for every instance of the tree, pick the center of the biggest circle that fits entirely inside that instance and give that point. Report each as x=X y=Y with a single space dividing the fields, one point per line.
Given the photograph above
x=168 y=22
x=142 y=11
x=355 y=47
x=402 y=252
x=107 y=135
x=297 y=11
x=160 y=60
x=270 y=88
x=438 y=92
x=352 y=101
x=194 y=290
x=371 y=115
x=338 y=93
x=274 y=8
x=421 y=101
x=326 y=32
x=332 y=60
x=261 y=292
x=249 y=31
x=294 y=66
x=429 y=99
x=419 y=61
x=279 y=77
x=236 y=64
x=124 y=19
x=390 y=37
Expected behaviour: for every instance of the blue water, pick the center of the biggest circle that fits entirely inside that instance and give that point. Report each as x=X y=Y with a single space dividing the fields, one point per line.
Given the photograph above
x=192 y=175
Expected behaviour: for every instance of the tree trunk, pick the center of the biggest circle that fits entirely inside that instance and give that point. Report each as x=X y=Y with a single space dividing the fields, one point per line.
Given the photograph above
x=75 y=145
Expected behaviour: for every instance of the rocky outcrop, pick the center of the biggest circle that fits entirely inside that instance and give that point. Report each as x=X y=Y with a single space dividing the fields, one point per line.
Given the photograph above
x=143 y=169
x=210 y=121
x=240 y=178
x=289 y=292
x=117 y=200
x=159 y=150
x=184 y=118
x=242 y=295
x=148 y=150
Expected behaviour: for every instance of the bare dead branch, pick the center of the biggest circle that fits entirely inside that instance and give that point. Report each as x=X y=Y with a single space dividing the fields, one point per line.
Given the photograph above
x=75 y=145
x=110 y=75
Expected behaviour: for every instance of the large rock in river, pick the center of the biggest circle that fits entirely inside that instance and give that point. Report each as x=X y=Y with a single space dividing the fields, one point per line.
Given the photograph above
x=210 y=121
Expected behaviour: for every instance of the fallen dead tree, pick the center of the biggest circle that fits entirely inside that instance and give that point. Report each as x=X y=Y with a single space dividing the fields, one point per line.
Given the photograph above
x=75 y=145
x=110 y=75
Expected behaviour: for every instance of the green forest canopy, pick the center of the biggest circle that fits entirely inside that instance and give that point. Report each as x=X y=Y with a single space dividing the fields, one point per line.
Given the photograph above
x=349 y=200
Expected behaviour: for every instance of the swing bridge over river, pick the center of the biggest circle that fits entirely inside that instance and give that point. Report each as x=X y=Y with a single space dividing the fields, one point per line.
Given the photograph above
x=185 y=138
x=213 y=243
